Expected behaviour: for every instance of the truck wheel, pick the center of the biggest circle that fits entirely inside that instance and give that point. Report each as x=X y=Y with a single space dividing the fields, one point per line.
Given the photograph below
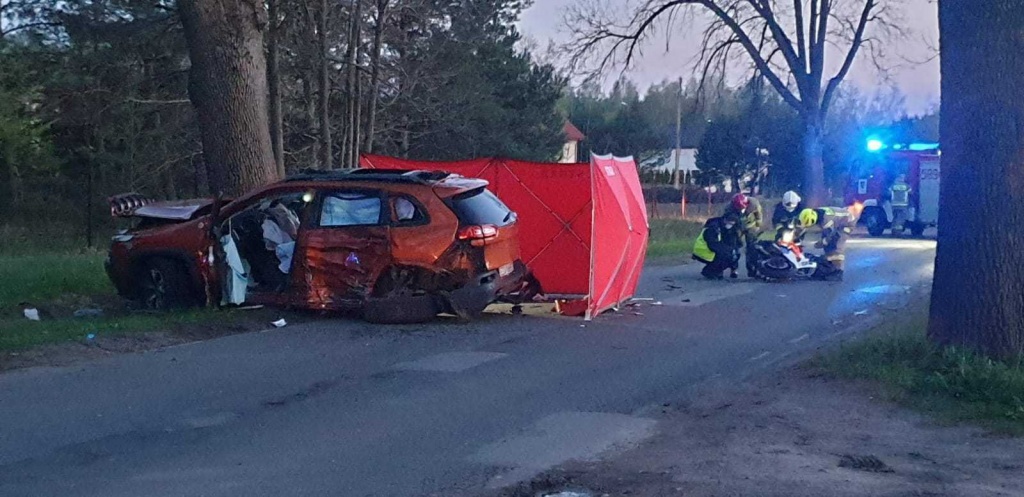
x=165 y=284
x=875 y=221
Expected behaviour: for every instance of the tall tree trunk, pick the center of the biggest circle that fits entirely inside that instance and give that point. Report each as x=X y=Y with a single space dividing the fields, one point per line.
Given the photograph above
x=352 y=90
x=228 y=87
x=814 y=167
x=978 y=290
x=326 y=152
x=378 y=33
x=274 y=86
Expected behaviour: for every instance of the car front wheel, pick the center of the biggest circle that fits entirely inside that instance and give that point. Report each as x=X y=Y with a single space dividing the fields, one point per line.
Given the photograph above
x=164 y=285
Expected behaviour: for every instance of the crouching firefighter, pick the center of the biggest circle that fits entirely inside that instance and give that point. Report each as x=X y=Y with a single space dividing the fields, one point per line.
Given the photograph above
x=836 y=224
x=718 y=246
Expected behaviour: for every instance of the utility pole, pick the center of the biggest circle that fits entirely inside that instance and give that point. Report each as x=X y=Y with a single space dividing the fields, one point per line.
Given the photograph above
x=679 y=132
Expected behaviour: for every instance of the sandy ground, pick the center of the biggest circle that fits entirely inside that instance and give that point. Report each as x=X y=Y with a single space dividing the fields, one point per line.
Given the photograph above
x=800 y=434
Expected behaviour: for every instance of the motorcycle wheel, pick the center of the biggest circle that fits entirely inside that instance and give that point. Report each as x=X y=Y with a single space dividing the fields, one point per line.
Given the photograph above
x=776 y=268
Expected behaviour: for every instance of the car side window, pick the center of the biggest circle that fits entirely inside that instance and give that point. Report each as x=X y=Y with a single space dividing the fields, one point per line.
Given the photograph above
x=350 y=209
x=406 y=211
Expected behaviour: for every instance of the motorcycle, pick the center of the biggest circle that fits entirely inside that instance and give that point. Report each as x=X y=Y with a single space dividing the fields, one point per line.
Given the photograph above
x=785 y=259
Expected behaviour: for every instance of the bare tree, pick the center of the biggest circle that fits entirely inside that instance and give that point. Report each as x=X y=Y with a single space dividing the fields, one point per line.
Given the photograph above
x=228 y=88
x=379 y=22
x=326 y=145
x=978 y=292
x=786 y=41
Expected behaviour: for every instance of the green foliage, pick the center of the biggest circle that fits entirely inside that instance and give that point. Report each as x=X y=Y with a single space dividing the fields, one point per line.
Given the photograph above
x=723 y=152
x=43 y=278
x=954 y=383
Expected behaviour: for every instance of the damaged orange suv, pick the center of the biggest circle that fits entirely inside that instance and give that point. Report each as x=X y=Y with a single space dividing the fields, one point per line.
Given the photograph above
x=400 y=246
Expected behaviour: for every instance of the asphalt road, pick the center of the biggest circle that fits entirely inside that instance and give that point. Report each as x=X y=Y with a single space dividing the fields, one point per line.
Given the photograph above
x=342 y=408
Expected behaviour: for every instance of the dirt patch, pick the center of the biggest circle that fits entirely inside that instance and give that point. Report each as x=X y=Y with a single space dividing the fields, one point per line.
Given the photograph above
x=800 y=435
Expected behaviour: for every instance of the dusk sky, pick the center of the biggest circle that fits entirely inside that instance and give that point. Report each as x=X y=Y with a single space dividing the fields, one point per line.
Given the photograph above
x=543 y=23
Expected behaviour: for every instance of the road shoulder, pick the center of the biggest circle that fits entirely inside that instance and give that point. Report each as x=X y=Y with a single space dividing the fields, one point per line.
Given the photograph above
x=798 y=434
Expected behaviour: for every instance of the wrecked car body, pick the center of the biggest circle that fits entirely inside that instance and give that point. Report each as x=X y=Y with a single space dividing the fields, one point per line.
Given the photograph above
x=400 y=246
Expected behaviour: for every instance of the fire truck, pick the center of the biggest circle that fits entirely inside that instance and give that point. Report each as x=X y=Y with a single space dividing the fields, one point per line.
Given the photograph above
x=898 y=187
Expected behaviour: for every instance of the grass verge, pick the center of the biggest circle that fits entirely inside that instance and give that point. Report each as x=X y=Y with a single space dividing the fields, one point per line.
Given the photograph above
x=953 y=384
x=672 y=237
x=19 y=334
x=42 y=278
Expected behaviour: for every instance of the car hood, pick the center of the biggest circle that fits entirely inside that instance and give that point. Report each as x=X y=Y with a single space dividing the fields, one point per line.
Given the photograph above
x=178 y=210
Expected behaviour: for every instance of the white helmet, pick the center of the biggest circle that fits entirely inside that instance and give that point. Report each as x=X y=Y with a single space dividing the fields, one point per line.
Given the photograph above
x=790 y=200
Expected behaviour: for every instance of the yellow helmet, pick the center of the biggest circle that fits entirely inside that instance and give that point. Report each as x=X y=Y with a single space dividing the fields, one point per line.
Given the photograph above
x=808 y=217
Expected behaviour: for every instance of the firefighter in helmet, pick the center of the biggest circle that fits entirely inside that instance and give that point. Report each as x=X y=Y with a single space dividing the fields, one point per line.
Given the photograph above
x=751 y=225
x=836 y=224
x=786 y=212
x=718 y=246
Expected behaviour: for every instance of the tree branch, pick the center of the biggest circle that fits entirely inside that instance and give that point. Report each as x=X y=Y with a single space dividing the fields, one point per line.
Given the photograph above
x=761 y=64
x=858 y=39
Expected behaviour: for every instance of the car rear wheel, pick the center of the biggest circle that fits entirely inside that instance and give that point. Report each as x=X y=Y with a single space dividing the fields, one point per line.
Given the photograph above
x=396 y=301
x=164 y=284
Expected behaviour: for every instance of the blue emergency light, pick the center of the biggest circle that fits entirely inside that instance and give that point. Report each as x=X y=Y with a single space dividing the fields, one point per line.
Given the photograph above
x=875 y=145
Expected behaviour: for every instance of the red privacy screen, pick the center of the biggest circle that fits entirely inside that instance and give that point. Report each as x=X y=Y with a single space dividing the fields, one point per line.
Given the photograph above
x=558 y=207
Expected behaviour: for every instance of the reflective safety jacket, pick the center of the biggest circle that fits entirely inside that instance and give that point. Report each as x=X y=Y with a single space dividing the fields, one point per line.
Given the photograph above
x=752 y=220
x=715 y=239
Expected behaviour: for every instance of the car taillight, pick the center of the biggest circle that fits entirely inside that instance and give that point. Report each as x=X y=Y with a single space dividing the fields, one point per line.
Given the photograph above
x=478 y=233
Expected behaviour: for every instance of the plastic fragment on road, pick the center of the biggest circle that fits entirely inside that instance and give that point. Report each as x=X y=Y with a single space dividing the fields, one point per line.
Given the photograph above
x=861 y=313
x=32 y=314
x=90 y=336
x=657 y=303
x=642 y=299
x=280 y=323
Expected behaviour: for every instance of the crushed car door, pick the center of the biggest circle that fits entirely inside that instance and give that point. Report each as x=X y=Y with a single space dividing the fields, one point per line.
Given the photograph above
x=344 y=249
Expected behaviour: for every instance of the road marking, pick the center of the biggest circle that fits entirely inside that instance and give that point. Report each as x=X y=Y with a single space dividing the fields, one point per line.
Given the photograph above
x=558 y=438
x=800 y=338
x=760 y=356
x=450 y=362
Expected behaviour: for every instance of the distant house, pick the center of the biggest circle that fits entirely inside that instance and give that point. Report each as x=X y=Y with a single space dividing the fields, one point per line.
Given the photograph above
x=571 y=149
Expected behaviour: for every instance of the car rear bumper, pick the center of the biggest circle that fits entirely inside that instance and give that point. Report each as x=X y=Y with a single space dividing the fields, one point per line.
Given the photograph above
x=485 y=288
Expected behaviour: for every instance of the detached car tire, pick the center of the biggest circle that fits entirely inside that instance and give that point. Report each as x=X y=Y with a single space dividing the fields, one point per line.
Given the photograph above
x=404 y=309
x=164 y=285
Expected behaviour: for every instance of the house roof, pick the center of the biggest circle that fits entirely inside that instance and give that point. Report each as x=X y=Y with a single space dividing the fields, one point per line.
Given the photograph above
x=572 y=133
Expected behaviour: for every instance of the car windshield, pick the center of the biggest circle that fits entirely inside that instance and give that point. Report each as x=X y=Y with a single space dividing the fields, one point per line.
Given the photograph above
x=480 y=206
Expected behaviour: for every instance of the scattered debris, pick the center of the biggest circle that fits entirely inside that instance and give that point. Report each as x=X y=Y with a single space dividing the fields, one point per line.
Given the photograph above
x=251 y=307
x=861 y=313
x=686 y=301
x=90 y=336
x=280 y=323
x=32 y=314
x=870 y=464
x=673 y=287
x=567 y=493
x=88 y=313
x=781 y=295
x=642 y=299
x=657 y=303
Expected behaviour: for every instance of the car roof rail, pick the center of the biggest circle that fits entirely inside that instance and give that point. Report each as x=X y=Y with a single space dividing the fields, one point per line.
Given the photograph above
x=377 y=175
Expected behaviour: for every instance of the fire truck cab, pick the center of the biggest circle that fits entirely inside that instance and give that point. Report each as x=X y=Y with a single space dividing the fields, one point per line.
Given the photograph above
x=898 y=187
